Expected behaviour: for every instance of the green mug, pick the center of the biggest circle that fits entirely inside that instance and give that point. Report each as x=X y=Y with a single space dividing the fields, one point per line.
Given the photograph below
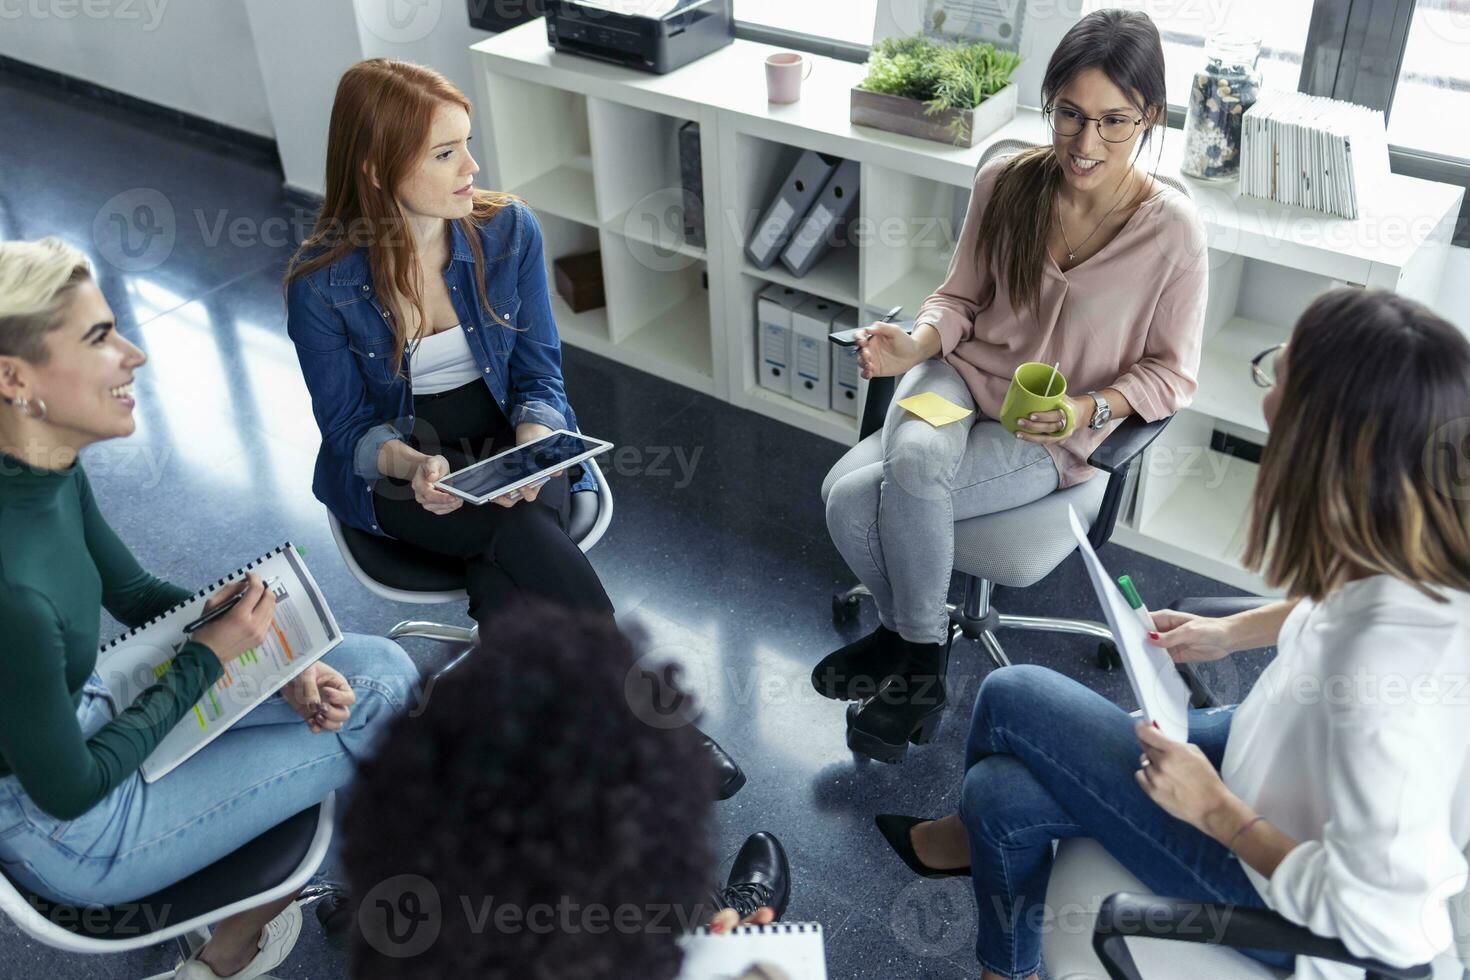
x=1027 y=396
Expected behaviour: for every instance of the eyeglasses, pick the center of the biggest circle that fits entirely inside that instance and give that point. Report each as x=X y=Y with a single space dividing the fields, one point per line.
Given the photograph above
x=1263 y=366
x=1112 y=128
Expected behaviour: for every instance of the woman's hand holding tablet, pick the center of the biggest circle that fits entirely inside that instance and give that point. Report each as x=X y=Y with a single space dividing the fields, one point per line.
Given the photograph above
x=507 y=477
x=430 y=470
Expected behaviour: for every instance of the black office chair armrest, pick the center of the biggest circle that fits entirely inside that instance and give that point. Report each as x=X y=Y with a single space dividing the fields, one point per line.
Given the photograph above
x=1114 y=456
x=1124 y=444
x=1147 y=916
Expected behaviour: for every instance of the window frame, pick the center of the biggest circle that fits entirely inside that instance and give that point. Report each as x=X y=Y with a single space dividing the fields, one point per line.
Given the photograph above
x=1354 y=51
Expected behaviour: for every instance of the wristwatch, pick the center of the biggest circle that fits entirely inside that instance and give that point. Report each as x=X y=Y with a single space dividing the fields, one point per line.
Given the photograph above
x=1103 y=414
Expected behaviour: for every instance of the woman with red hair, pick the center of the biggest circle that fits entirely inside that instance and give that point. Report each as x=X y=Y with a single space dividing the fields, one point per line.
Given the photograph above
x=420 y=313
x=419 y=310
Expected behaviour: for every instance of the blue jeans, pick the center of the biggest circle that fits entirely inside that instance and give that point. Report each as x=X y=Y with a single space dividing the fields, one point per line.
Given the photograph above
x=145 y=836
x=1048 y=758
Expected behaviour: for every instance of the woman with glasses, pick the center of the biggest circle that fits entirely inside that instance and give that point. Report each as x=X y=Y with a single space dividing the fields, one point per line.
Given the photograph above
x=1338 y=792
x=1071 y=253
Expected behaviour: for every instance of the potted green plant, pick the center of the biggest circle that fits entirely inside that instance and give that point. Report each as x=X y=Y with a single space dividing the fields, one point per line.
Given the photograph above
x=953 y=93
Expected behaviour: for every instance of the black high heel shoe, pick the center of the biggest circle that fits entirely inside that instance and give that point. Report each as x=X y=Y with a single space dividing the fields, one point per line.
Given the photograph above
x=907 y=709
x=857 y=670
x=897 y=830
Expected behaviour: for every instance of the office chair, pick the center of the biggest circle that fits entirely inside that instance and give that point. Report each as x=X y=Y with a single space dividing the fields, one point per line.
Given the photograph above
x=1018 y=547
x=401 y=572
x=1084 y=873
x=277 y=863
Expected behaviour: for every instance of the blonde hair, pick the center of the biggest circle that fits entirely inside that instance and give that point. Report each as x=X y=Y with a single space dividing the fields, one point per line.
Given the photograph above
x=36 y=281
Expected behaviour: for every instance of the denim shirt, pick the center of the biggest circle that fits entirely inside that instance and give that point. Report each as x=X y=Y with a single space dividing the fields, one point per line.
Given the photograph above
x=341 y=331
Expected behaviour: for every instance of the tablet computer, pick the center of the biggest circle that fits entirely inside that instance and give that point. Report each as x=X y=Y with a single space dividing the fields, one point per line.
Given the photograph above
x=520 y=467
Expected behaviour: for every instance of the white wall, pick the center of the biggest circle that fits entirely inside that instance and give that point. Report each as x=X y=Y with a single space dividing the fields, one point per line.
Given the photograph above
x=192 y=55
x=1454 y=295
x=303 y=48
x=436 y=33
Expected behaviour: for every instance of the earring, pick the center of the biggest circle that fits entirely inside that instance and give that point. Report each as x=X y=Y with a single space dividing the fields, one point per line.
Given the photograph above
x=24 y=404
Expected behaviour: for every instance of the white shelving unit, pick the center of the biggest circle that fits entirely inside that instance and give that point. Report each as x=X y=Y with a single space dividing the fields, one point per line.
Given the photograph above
x=593 y=148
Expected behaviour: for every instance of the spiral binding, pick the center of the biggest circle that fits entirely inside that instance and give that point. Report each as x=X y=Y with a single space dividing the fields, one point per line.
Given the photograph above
x=774 y=928
x=237 y=573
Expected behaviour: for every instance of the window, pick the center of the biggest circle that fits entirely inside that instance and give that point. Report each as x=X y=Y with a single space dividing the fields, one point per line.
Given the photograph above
x=1432 y=100
x=1185 y=24
x=840 y=20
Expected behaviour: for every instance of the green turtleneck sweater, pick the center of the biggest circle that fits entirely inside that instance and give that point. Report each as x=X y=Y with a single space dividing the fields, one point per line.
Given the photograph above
x=60 y=564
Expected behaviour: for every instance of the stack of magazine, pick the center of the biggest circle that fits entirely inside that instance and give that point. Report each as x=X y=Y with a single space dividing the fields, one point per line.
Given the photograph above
x=1312 y=152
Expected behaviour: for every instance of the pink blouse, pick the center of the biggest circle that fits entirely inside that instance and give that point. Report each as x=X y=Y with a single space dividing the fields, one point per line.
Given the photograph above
x=1130 y=317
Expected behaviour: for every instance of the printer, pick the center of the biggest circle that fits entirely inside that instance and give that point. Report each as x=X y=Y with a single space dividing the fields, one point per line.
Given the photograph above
x=651 y=35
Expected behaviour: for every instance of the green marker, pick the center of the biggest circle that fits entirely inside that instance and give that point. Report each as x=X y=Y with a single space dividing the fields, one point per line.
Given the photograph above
x=1139 y=609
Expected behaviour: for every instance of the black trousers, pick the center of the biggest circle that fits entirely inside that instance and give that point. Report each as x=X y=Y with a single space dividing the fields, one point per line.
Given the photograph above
x=507 y=551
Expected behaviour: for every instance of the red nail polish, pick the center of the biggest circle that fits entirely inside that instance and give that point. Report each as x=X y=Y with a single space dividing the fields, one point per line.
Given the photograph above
x=1152 y=635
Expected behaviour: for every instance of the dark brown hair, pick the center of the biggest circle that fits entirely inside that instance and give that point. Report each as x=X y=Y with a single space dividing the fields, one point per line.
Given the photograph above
x=380 y=125
x=1364 y=470
x=1125 y=46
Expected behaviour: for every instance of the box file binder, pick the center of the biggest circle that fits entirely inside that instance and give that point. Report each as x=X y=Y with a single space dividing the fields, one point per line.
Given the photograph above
x=845 y=366
x=691 y=176
x=784 y=214
x=820 y=230
x=773 y=335
x=811 y=378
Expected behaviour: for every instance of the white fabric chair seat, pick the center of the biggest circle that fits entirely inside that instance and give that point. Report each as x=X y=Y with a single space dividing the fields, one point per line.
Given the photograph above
x=1015 y=548
x=1084 y=874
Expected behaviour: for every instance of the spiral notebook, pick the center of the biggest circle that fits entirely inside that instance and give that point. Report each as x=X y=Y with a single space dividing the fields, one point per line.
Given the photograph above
x=301 y=632
x=779 y=951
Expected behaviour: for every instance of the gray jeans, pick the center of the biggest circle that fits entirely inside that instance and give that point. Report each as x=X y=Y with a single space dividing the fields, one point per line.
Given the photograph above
x=893 y=521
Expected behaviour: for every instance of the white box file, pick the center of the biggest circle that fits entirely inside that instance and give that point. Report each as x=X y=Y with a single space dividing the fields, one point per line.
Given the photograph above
x=845 y=366
x=773 y=335
x=811 y=376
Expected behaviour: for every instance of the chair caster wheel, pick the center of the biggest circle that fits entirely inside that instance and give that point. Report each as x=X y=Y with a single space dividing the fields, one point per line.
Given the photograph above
x=334 y=916
x=1107 y=657
x=844 y=610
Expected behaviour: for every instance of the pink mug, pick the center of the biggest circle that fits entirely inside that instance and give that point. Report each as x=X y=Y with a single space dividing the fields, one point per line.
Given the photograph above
x=784 y=74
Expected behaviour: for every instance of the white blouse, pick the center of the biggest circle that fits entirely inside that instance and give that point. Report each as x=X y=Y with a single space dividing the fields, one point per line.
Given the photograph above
x=442 y=361
x=1354 y=742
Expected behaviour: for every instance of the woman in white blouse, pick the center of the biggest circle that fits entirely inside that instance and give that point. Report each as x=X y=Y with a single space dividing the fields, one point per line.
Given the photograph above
x=1338 y=792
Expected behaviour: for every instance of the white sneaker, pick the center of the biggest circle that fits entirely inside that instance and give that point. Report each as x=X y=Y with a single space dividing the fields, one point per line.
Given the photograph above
x=276 y=943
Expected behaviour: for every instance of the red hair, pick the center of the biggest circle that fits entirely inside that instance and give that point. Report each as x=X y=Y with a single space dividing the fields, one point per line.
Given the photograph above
x=380 y=125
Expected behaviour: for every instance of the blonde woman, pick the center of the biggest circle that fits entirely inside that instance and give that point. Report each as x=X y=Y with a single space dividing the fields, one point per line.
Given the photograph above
x=78 y=825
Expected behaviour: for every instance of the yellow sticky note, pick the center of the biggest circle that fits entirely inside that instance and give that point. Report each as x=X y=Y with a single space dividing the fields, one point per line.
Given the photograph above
x=934 y=409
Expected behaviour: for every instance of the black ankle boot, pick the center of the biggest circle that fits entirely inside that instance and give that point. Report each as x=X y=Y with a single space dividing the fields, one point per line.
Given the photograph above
x=906 y=709
x=760 y=877
x=857 y=670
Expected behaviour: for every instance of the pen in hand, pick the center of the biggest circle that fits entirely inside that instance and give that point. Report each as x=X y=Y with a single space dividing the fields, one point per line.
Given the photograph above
x=215 y=613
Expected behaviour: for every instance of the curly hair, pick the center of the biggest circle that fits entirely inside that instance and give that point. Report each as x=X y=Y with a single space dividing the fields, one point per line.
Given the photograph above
x=528 y=820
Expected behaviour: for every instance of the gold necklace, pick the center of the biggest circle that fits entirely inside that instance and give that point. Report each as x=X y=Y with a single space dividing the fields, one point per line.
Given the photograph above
x=1072 y=252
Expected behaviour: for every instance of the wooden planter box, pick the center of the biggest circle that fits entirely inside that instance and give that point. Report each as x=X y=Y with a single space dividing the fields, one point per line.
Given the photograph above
x=909 y=117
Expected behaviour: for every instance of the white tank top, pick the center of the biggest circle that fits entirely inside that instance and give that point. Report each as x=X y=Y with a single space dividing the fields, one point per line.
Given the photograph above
x=442 y=361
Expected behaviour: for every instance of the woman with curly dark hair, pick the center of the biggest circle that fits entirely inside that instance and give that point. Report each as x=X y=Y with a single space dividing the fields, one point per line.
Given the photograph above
x=545 y=816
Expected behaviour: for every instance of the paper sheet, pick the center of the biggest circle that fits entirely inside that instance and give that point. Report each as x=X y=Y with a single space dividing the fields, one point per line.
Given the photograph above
x=1161 y=692
x=934 y=409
